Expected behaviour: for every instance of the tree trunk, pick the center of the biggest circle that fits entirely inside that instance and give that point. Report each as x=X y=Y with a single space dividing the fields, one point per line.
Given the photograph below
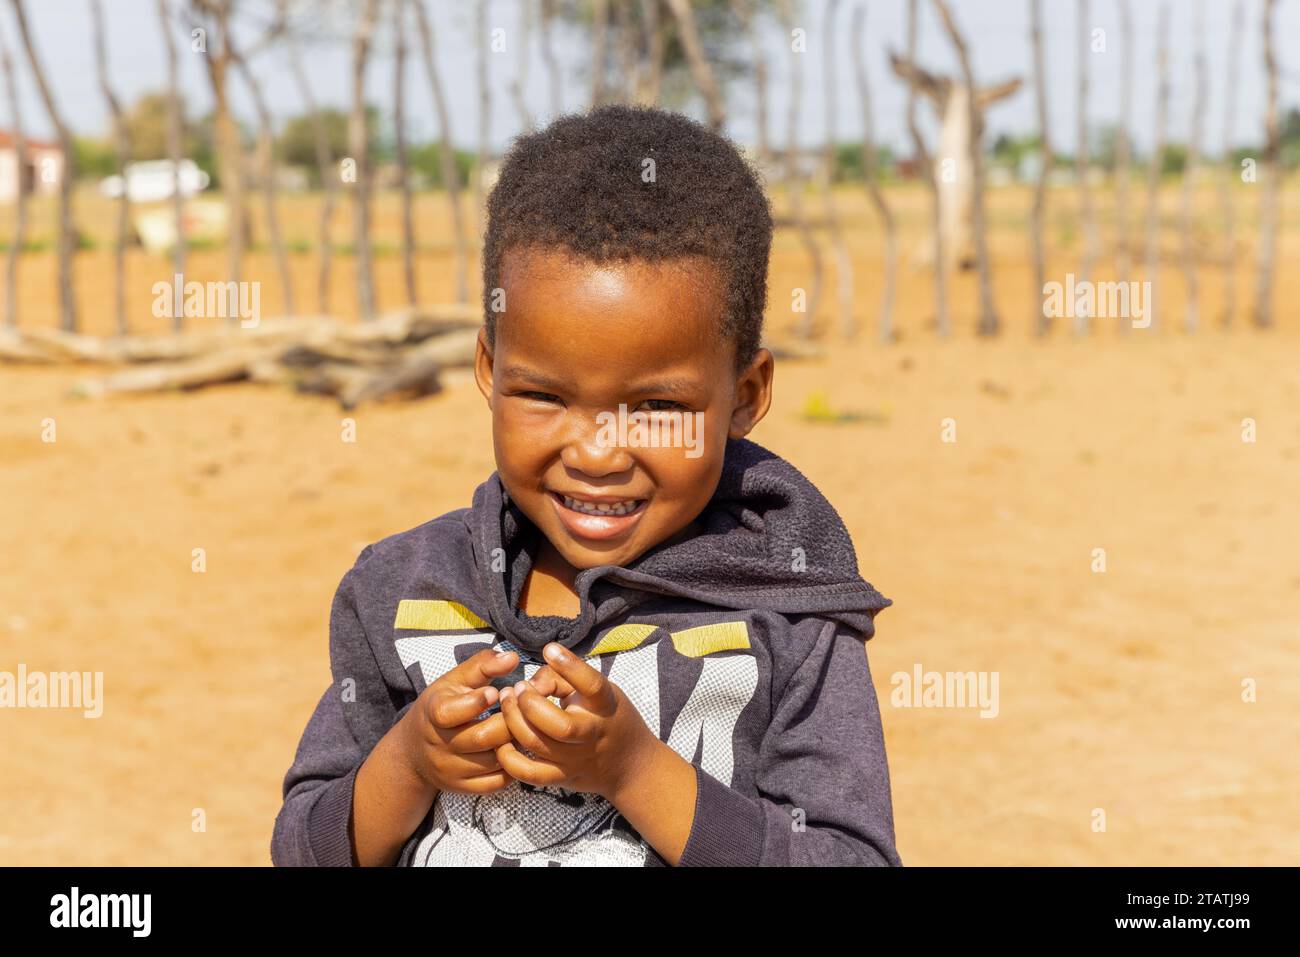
x=1153 y=172
x=698 y=63
x=175 y=146
x=599 y=38
x=67 y=232
x=20 y=200
x=451 y=181
x=329 y=177
x=359 y=147
x=1042 y=323
x=1081 y=163
x=403 y=164
x=1191 y=318
x=794 y=183
x=229 y=148
x=988 y=321
x=1271 y=196
x=1124 y=154
x=1228 y=174
x=649 y=90
x=123 y=150
x=548 y=57
x=843 y=263
x=943 y=324
x=521 y=78
x=266 y=154
x=885 y=323
x=484 y=108
x=745 y=10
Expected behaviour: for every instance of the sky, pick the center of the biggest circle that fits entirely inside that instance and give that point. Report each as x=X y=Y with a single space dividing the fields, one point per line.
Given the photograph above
x=997 y=32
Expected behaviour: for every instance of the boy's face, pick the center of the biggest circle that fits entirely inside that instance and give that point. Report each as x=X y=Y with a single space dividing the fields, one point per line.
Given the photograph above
x=579 y=339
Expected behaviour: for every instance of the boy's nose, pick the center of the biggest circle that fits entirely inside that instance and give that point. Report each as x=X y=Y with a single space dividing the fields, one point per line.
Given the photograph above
x=588 y=452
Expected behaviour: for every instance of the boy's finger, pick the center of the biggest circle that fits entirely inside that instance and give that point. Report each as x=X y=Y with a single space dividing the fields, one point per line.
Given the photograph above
x=484 y=783
x=478 y=670
x=545 y=715
x=519 y=766
x=549 y=684
x=486 y=735
x=457 y=767
x=520 y=730
x=453 y=710
x=586 y=680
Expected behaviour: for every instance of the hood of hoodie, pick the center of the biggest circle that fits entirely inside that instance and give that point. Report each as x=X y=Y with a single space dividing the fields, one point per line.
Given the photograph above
x=769 y=541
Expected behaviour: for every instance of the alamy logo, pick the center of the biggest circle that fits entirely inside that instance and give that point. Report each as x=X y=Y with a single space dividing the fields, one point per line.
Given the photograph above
x=75 y=909
x=208 y=300
x=1100 y=300
x=668 y=429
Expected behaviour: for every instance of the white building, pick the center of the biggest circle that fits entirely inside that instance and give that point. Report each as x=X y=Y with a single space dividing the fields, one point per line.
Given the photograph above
x=42 y=171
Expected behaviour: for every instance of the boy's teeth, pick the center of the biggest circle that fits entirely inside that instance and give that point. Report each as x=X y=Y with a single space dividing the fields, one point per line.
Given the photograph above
x=599 y=508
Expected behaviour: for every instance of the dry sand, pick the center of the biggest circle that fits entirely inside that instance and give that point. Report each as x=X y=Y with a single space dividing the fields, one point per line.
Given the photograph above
x=1119 y=690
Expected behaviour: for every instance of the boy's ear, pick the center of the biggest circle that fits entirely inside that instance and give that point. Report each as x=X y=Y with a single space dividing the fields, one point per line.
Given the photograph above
x=753 y=395
x=483 y=366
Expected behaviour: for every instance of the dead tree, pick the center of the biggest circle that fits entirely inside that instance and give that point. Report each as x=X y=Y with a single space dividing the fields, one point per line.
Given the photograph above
x=175 y=145
x=843 y=263
x=1081 y=162
x=215 y=16
x=943 y=325
x=122 y=143
x=955 y=179
x=266 y=155
x=650 y=81
x=988 y=321
x=484 y=105
x=67 y=231
x=359 y=147
x=1270 y=197
x=450 y=177
x=870 y=172
x=794 y=180
x=1153 y=170
x=1124 y=153
x=403 y=162
x=745 y=13
x=1042 y=324
x=520 y=82
x=548 y=55
x=329 y=176
x=1191 y=317
x=1228 y=174
x=599 y=38
x=697 y=62
x=19 y=237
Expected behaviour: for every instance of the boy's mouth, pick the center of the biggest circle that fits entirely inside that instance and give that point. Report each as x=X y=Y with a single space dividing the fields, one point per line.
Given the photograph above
x=598 y=518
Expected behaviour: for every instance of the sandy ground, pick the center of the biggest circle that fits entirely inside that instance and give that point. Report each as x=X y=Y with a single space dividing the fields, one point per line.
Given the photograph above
x=1119 y=691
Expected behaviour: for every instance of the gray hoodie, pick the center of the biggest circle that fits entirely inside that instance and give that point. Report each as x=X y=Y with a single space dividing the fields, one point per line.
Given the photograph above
x=742 y=647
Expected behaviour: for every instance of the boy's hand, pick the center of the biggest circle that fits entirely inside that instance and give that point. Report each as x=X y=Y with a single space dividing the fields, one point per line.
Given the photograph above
x=591 y=744
x=442 y=742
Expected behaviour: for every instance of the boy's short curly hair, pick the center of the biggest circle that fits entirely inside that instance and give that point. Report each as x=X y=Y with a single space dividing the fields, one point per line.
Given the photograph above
x=579 y=184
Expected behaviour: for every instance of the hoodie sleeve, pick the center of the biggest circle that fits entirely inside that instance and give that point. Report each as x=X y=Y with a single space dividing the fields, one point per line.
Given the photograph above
x=822 y=775
x=312 y=828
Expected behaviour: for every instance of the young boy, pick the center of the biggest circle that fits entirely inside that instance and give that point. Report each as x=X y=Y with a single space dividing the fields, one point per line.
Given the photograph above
x=643 y=642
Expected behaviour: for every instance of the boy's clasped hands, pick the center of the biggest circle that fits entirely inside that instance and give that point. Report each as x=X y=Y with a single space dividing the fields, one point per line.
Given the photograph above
x=593 y=741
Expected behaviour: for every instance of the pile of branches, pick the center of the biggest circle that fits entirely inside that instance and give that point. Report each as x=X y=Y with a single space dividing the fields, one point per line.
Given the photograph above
x=401 y=353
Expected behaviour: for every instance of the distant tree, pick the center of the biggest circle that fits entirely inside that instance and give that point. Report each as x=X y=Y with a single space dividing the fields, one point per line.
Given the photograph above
x=122 y=154
x=20 y=211
x=67 y=231
x=1266 y=254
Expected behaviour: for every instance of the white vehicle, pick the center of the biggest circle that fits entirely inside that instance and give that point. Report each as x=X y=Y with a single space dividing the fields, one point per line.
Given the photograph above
x=151 y=181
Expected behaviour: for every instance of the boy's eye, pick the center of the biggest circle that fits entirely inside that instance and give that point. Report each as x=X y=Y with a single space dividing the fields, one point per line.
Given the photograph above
x=540 y=396
x=663 y=405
